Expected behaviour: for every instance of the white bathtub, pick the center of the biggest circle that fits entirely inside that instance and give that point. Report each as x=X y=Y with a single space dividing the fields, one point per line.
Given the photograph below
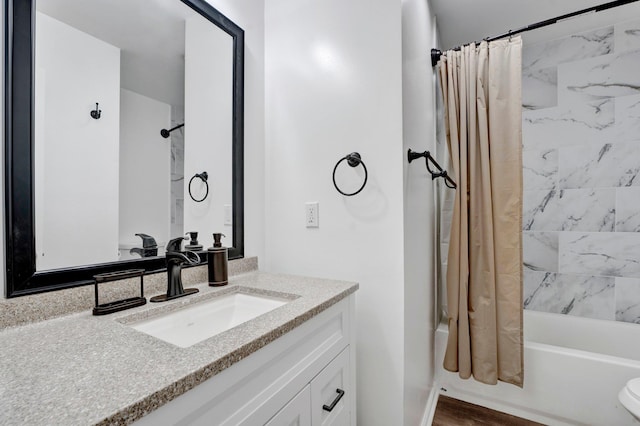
x=574 y=369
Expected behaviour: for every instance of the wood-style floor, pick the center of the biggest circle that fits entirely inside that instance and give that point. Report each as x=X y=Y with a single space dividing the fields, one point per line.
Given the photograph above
x=453 y=412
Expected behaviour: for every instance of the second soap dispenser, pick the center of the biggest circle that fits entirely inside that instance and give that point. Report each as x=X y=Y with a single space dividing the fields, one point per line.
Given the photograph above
x=217 y=259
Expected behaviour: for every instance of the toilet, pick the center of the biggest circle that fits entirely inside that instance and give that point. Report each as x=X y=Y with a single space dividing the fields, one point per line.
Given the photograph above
x=629 y=396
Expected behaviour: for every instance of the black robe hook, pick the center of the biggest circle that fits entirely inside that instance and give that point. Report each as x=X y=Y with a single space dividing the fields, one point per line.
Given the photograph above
x=440 y=172
x=95 y=114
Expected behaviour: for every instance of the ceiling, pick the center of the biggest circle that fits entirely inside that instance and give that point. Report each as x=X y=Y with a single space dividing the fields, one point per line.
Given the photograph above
x=463 y=21
x=150 y=35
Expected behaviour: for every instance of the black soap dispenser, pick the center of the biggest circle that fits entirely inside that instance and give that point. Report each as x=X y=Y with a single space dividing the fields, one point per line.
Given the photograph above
x=218 y=261
x=193 y=244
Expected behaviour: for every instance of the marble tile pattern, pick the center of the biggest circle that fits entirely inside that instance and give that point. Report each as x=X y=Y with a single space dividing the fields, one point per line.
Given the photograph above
x=627 y=119
x=548 y=54
x=601 y=77
x=540 y=251
x=609 y=254
x=592 y=297
x=628 y=300
x=177 y=171
x=581 y=174
x=540 y=210
x=599 y=165
x=628 y=209
x=574 y=125
x=591 y=209
x=540 y=64
x=540 y=169
x=627 y=35
x=540 y=88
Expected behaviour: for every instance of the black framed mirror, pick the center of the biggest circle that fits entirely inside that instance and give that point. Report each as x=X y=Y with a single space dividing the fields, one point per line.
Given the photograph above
x=23 y=276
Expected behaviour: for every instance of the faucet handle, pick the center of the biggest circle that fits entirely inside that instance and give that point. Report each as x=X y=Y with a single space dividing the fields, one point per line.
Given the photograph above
x=147 y=240
x=192 y=257
x=175 y=244
x=182 y=257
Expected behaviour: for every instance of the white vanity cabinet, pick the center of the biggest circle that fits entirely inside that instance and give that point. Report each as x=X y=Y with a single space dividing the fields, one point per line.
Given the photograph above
x=329 y=390
x=287 y=382
x=321 y=402
x=296 y=413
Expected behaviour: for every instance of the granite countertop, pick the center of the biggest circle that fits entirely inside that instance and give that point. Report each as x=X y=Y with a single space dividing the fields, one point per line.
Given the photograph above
x=81 y=369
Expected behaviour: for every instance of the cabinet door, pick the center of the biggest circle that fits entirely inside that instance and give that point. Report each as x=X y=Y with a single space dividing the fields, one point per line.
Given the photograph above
x=297 y=412
x=330 y=393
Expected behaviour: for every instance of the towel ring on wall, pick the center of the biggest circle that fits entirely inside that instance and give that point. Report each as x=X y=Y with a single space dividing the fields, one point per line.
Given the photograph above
x=204 y=176
x=353 y=160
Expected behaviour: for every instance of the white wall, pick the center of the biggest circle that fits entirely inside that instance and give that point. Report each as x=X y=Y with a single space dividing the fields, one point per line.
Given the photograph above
x=418 y=37
x=208 y=127
x=249 y=15
x=333 y=86
x=145 y=159
x=76 y=167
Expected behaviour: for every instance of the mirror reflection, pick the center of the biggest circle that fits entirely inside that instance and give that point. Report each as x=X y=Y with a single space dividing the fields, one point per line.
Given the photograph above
x=133 y=129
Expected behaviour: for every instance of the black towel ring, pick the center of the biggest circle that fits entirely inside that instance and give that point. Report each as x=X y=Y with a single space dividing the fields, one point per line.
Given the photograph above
x=203 y=176
x=353 y=160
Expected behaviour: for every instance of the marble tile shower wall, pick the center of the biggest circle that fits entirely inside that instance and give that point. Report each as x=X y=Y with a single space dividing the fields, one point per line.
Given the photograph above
x=177 y=173
x=581 y=160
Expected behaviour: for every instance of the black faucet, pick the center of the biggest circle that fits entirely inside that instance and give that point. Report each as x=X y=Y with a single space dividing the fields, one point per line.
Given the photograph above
x=175 y=260
x=149 y=247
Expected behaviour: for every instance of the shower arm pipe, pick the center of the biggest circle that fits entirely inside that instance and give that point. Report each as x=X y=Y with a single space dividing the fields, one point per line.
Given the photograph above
x=436 y=54
x=165 y=133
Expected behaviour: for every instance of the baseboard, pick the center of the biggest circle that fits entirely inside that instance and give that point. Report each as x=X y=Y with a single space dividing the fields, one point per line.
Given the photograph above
x=430 y=408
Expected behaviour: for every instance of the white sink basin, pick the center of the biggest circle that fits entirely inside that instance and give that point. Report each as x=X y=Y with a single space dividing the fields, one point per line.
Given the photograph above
x=193 y=324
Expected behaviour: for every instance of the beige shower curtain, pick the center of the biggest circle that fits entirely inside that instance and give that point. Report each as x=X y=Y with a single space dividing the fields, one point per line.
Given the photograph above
x=481 y=87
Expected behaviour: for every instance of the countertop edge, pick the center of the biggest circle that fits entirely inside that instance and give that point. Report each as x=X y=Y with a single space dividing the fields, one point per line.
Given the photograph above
x=157 y=399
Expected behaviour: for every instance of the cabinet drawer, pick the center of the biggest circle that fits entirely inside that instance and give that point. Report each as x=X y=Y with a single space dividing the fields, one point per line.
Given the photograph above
x=331 y=393
x=296 y=413
x=252 y=391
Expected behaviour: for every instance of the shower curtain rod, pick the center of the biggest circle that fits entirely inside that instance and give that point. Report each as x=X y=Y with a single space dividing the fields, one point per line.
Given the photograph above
x=436 y=54
x=165 y=133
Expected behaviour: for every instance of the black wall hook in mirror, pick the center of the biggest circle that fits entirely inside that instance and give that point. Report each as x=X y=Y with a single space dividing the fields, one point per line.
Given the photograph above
x=204 y=176
x=353 y=160
x=411 y=155
x=165 y=133
x=96 y=113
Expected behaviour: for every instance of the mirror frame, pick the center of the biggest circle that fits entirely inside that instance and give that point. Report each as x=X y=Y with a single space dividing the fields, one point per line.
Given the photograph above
x=21 y=275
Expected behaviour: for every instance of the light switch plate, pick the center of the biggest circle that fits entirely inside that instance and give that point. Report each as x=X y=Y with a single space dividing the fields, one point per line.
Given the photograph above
x=312 y=217
x=228 y=215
